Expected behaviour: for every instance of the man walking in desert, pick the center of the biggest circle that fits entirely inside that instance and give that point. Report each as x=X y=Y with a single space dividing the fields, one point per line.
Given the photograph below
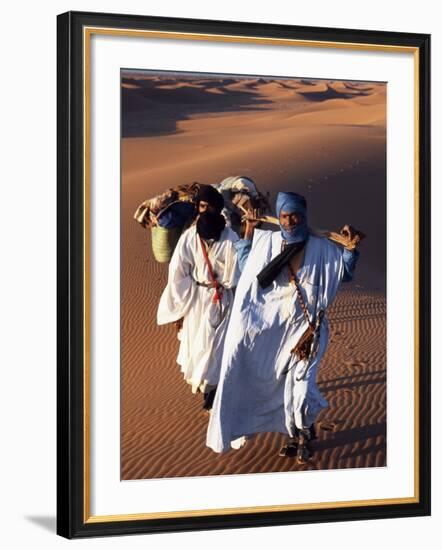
x=278 y=331
x=202 y=275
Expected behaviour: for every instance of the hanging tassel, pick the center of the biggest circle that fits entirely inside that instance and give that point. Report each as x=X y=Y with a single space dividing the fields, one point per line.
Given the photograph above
x=304 y=345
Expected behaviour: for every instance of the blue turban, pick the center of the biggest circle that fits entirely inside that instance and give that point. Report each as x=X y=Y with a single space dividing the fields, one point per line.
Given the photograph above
x=293 y=204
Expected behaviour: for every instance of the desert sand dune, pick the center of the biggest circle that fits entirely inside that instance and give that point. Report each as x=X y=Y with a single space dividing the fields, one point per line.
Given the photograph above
x=163 y=425
x=333 y=152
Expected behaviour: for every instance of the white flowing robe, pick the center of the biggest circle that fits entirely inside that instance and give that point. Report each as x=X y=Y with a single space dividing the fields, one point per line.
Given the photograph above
x=204 y=322
x=262 y=387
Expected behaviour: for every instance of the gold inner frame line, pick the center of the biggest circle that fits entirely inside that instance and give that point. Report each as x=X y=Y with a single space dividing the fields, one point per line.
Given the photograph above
x=87 y=33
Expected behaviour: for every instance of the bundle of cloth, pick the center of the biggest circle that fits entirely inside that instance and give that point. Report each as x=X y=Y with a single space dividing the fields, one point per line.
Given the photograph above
x=240 y=194
x=173 y=208
x=169 y=213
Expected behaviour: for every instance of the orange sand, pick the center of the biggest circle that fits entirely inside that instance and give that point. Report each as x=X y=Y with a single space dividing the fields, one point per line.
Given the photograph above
x=329 y=147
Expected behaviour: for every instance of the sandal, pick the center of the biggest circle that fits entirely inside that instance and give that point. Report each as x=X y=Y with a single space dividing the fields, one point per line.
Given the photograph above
x=290 y=449
x=304 y=453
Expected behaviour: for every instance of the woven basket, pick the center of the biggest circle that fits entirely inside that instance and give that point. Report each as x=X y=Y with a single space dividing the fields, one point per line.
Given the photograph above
x=164 y=242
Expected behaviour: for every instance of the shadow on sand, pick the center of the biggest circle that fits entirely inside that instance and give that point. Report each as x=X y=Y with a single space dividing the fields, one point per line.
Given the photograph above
x=353 y=435
x=331 y=93
x=152 y=107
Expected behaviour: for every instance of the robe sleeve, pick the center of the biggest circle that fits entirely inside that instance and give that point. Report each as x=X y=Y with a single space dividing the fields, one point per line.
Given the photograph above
x=243 y=247
x=350 y=258
x=178 y=295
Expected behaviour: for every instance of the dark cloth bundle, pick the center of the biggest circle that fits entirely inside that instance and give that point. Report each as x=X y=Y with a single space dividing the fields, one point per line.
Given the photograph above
x=177 y=214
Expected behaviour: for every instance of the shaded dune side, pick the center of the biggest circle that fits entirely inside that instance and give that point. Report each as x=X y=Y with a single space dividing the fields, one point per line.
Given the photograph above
x=154 y=107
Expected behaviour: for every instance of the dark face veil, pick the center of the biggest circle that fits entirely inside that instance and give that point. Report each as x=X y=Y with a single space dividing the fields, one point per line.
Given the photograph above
x=210 y=223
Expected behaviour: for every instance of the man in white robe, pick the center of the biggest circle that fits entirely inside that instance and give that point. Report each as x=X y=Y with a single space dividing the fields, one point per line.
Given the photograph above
x=266 y=383
x=203 y=273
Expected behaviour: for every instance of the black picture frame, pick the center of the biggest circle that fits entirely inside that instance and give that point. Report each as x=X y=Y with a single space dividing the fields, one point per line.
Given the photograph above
x=73 y=519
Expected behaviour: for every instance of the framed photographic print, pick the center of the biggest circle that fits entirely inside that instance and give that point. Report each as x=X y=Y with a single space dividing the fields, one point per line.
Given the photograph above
x=243 y=274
